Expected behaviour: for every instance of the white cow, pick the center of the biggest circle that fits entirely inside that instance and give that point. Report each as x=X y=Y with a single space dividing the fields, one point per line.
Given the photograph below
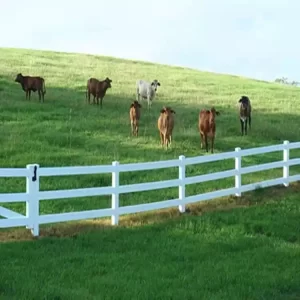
x=146 y=90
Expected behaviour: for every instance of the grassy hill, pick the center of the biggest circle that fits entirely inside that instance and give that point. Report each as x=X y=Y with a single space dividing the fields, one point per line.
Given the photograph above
x=65 y=131
x=241 y=253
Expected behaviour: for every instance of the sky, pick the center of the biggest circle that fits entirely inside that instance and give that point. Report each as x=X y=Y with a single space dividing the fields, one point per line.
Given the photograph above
x=252 y=38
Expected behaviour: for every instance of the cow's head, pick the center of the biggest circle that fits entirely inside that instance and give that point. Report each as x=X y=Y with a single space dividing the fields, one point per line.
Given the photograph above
x=19 y=78
x=155 y=83
x=244 y=104
x=108 y=81
x=135 y=104
x=167 y=110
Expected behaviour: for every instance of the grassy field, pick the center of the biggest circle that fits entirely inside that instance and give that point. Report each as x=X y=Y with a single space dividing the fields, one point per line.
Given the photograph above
x=242 y=253
x=246 y=253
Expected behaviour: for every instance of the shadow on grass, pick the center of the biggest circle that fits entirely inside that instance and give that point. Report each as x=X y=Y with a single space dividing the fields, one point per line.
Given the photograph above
x=267 y=196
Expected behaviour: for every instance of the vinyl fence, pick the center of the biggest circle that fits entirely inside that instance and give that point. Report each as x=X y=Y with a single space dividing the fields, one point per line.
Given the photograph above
x=33 y=195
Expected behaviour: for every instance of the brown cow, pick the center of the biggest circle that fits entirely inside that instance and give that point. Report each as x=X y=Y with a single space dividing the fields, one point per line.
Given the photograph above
x=30 y=83
x=97 y=88
x=245 y=113
x=165 y=124
x=207 y=127
x=134 y=114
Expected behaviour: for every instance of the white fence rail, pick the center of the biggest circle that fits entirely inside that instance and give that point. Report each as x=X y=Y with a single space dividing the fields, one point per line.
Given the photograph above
x=33 y=195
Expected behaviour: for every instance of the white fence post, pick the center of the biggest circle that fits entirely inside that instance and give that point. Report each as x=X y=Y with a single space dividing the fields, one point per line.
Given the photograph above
x=32 y=205
x=286 y=158
x=181 y=190
x=238 y=176
x=115 y=194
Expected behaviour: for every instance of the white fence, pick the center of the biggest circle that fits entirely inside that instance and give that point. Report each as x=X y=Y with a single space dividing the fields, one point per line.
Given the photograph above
x=33 y=195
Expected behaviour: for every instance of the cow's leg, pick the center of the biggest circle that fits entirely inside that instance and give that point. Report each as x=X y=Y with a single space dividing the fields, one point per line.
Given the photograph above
x=206 y=143
x=39 y=95
x=132 y=127
x=29 y=93
x=136 y=129
x=201 y=140
x=94 y=102
x=101 y=99
x=246 y=121
x=161 y=139
x=249 y=121
x=212 y=144
x=242 y=126
x=26 y=94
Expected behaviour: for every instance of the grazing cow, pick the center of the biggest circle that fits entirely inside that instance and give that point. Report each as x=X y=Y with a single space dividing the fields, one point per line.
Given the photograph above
x=32 y=83
x=207 y=126
x=98 y=89
x=245 y=113
x=146 y=90
x=165 y=124
x=134 y=114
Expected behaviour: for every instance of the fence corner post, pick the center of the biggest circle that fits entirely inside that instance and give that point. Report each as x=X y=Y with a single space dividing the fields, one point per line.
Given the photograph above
x=181 y=190
x=115 y=194
x=286 y=167
x=32 y=204
x=238 y=175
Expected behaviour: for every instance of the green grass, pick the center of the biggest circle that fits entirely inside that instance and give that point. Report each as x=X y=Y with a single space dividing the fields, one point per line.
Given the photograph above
x=65 y=131
x=242 y=253
x=245 y=253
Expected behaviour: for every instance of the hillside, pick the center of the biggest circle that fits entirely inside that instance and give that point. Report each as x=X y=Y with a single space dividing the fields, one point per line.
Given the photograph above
x=65 y=131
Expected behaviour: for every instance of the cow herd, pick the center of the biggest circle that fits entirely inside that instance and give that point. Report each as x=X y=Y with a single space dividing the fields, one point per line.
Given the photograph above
x=147 y=90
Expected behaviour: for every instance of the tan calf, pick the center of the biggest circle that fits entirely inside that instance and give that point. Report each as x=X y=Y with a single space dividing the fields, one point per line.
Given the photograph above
x=165 y=124
x=134 y=114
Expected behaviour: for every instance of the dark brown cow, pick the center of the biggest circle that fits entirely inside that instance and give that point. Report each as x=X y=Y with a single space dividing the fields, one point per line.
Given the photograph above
x=165 y=124
x=207 y=127
x=245 y=113
x=32 y=83
x=97 y=88
x=134 y=114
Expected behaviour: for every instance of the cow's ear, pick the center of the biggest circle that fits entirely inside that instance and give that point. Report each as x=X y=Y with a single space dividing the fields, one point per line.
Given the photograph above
x=140 y=105
x=217 y=113
x=158 y=83
x=132 y=105
x=152 y=83
x=163 y=110
x=173 y=111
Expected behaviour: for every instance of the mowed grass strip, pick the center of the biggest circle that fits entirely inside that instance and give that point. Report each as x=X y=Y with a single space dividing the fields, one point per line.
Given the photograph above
x=247 y=252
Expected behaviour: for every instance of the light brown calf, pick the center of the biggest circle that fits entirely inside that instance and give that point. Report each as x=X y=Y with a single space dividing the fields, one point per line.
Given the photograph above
x=207 y=127
x=165 y=124
x=134 y=114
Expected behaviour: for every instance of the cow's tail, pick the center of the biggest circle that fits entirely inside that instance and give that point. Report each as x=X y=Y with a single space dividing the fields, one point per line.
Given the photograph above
x=44 y=87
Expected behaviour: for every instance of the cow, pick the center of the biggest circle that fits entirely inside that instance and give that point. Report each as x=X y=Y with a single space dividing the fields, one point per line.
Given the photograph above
x=98 y=89
x=245 y=113
x=32 y=83
x=207 y=126
x=165 y=124
x=134 y=114
x=146 y=90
